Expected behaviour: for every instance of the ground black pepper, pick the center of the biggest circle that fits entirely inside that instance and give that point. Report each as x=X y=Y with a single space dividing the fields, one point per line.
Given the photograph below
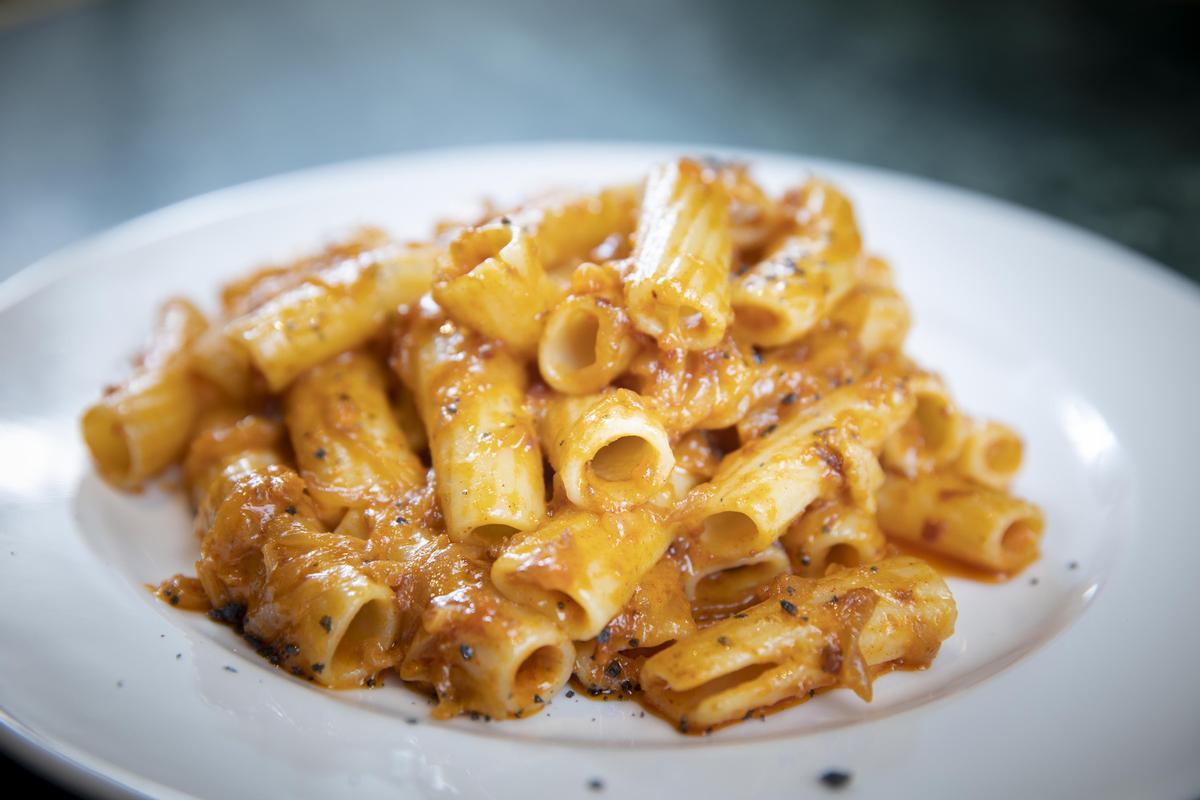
x=835 y=778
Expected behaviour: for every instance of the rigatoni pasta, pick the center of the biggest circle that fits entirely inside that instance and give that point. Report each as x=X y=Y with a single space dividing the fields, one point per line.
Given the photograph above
x=661 y=440
x=471 y=396
x=142 y=425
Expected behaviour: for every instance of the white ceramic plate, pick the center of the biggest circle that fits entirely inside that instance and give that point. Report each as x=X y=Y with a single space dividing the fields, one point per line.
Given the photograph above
x=1076 y=679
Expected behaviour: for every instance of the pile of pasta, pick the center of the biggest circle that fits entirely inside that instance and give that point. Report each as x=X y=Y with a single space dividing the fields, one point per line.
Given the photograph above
x=661 y=438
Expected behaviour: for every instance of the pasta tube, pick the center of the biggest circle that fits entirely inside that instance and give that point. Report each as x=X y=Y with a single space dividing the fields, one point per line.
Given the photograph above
x=833 y=532
x=491 y=279
x=952 y=516
x=810 y=634
x=229 y=443
x=754 y=217
x=476 y=649
x=678 y=287
x=333 y=310
x=877 y=318
x=248 y=293
x=300 y=593
x=349 y=448
x=581 y=567
x=567 y=228
x=933 y=436
x=471 y=397
x=991 y=454
x=142 y=426
x=589 y=339
x=719 y=587
x=227 y=366
x=657 y=614
x=759 y=489
x=610 y=450
x=782 y=297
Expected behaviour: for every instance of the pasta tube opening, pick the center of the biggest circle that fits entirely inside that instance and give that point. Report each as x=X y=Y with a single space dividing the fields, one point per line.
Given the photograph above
x=624 y=459
x=1019 y=542
x=991 y=454
x=611 y=450
x=1003 y=455
x=845 y=555
x=588 y=341
x=488 y=535
x=110 y=446
x=372 y=628
x=938 y=423
x=538 y=670
x=572 y=346
x=729 y=532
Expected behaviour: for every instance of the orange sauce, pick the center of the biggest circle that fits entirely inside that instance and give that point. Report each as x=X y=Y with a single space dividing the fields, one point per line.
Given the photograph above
x=182 y=592
x=947 y=566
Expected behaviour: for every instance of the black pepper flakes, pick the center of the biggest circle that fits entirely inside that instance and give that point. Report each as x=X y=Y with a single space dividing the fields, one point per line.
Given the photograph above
x=230 y=613
x=805 y=559
x=770 y=429
x=318 y=667
x=874 y=568
x=835 y=778
x=1072 y=565
x=602 y=637
x=466 y=651
x=740 y=615
x=1033 y=581
x=683 y=725
x=371 y=682
x=570 y=692
x=788 y=606
x=723 y=641
x=788 y=398
x=627 y=686
x=613 y=669
x=290 y=650
x=327 y=623
x=595 y=785
x=411 y=720
x=320 y=453
x=537 y=698
x=401 y=520
x=291 y=510
x=230 y=669
x=633 y=642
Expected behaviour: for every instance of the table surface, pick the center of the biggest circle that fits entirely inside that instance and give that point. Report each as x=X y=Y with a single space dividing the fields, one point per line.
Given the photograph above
x=1089 y=111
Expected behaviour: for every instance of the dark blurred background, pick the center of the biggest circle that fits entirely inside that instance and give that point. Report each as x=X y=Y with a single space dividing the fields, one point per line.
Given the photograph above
x=1089 y=111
